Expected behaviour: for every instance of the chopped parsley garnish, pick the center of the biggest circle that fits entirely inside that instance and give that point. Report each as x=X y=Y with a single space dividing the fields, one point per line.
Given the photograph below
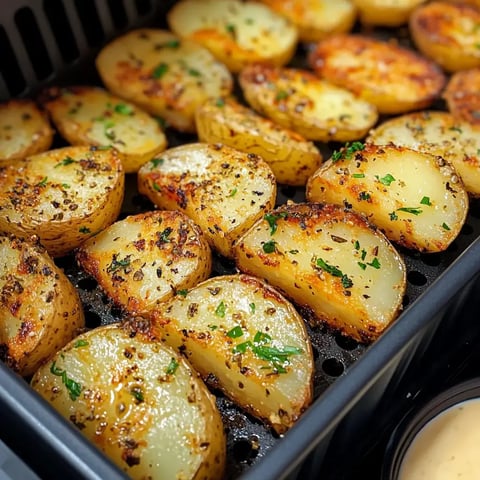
x=456 y=129
x=171 y=44
x=137 y=394
x=163 y=236
x=364 y=196
x=182 y=293
x=118 y=264
x=84 y=230
x=194 y=72
x=172 y=366
x=73 y=387
x=212 y=327
x=269 y=247
x=156 y=162
x=221 y=309
x=123 y=109
x=42 y=182
x=272 y=218
x=375 y=263
x=293 y=252
x=445 y=226
x=235 y=332
x=281 y=95
x=156 y=187
x=362 y=265
x=393 y=216
x=65 y=185
x=357 y=245
x=232 y=193
x=358 y=175
x=80 y=343
x=64 y=162
x=230 y=28
x=386 y=180
x=220 y=102
x=252 y=307
x=412 y=210
x=426 y=201
x=348 y=151
x=160 y=70
x=335 y=272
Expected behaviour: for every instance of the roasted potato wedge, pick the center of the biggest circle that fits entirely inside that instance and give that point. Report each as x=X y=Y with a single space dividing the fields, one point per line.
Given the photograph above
x=385 y=12
x=87 y=115
x=237 y=33
x=314 y=108
x=392 y=78
x=330 y=261
x=40 y=310
x=64 y=196
x=316 y=19
x=291 y=157
x=24 y=130
x=163 y=74
x=250 y=339
x=462 y=95
x=221 y=189
x=138 y=401
x=144 y=259
x=448 y=33
x=437 y=133
x=415 y=198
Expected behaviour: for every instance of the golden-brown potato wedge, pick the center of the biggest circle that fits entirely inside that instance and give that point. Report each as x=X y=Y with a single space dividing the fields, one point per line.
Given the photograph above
x=416 y=199
x=462 y=95
x=330 y=261
x=138 y=401
x=316 y=19
x=250 y=339
x=298 y=100
x=221 y=189
x=385 y=12
x=144 y=259
x=166 y=76
x=237 y=33
x=448 y=33
x=24 y=130
x=87 y=115
x=40 y=310
x=63 y=196
x=292 y=158
x=392 y=78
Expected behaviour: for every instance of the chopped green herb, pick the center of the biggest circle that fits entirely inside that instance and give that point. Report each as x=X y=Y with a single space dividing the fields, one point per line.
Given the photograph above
x=124 y=109
x=84 y=230
x=65 y=185
x=137 y=394
x=73 y=387
x=362 y=265
x=346 y=282
x=213 y=327
x=261 y=338
x=118 y=264
x=425 y=201
x=364 y=196
x=156 y=162
x=456 y=129
x=171 y=44
x=232 y=193
x=242 y=347
x=336 y=155
x=281 y=95
x=272 y=218
x=336 y=272
x=42 y=182
x=64 y=162
x=163 y=236
x=412 y=210
x=230 y=28
x=348 y=151
x=364 y=254
x=156 y=187
x=269 y=247
x=445 y=226
x=358 y=175
x=221 y=309
x=235 y=332
x=194 y=72
x=220 y=102
x=357 y=245
x=160 y=70
x=172 y=366
x=252 y=307
x=375 y=263
x=80 y=343
x=386 y=180
x=293 y=252
x=182 y=293
x=393 y=216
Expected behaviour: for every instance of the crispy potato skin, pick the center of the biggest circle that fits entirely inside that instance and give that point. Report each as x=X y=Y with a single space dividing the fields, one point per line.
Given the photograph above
x=24 y=130
x=138 y=401
x=415 y=198
x=237 y=33
x=40 y=310
x=392 y=78
x=447 y=33
x=220 y=315
x=87 y=115
x=316 y=19
x=224 y=191
x=462 y=95
x=145 y=259
x=292 y=158
x=163 y=74
x=385 y=12
x=63 y=196
x=314 y=108
x=358 y=300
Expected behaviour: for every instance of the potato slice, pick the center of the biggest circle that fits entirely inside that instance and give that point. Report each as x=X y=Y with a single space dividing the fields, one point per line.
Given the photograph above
x=223 y=190
x=91 y=116
x=24 y=130
x=314 y=108
x=448 y=33
x=392 y=78
x=316 y=19
x=138 y=401
x=330 y=261
x=247 y=337
x=166 y=76
x=292 y=158
x=40 y=310
x=237 y=33
x=462 y=95
x=437 y=133
x=417 y=199
x=143 y=260
x=385 y=12
x=64 y=196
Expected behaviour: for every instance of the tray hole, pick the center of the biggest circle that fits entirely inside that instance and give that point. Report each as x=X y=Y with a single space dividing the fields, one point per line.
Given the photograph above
x=57 y=17
x=118 y=13
x=90 y=22
x=467 y=229
x=34 y=44
x=245 y=450
x=416 y=278
x=288 y=191
x=117 y=312
x=333 y=367
x=143 y=6
x=432 y=259
x=346 y=343
x=87 y=284
x=405 y=301
x=9 y=68
x=92 y=319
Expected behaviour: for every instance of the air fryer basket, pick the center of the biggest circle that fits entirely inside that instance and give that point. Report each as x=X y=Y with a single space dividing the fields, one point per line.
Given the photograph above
x=55 y=41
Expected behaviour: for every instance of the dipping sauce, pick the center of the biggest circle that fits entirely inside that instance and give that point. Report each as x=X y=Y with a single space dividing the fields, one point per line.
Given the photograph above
x=447 y=447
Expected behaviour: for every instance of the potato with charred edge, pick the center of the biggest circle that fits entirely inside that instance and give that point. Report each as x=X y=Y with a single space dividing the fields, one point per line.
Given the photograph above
x=64 y=196
x=440 y=134
x=40 y=310
x=165 y=75
x=250 y=339
x=237 y=33
x=138 y=401
x=392 y=78
x=224 y=191
x=415 y=198
x=291 y=157
x=299 y=100
x=144 y=259
x=24 y=130
x=447 y=33
x=385 y=12
x=329 y=261
x=87 y=115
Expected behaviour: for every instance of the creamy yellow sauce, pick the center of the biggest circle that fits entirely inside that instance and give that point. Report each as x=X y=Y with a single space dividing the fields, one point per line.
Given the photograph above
x=447 y=447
